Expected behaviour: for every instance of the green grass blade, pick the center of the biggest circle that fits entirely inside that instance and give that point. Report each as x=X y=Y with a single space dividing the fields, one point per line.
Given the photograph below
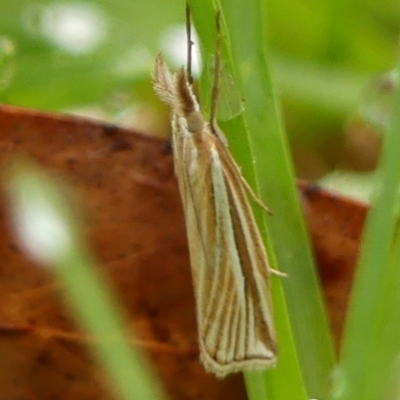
x=45 y=224
x=372 y=338
x=257 y=143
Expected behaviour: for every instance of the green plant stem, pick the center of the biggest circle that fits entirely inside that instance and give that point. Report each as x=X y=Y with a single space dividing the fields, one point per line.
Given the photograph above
x=371 y=341
x=259 y=146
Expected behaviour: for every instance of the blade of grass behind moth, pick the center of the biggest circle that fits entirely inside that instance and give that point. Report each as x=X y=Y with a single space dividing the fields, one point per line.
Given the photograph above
x=203 y=13
x=259 y=147
x=273 y=167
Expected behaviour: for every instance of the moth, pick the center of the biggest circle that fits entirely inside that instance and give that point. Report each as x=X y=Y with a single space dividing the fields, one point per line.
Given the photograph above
x=229 y=263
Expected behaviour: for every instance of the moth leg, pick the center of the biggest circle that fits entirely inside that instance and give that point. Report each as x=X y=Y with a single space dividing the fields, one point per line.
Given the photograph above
x=215 y=89
x=255 y=198
x=218 y=132
x=217 y=70
x=189 y=45
x=266 y=209
x=277 y=273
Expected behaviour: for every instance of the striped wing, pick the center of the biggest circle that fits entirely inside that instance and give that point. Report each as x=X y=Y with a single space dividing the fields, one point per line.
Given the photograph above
x=229 y=263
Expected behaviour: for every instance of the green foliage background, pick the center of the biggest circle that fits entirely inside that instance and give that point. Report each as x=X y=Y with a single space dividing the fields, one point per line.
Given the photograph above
x=322 y=54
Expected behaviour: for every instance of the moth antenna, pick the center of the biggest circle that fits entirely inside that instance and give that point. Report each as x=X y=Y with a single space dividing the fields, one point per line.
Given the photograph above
x=189 y=45
x=217 y=71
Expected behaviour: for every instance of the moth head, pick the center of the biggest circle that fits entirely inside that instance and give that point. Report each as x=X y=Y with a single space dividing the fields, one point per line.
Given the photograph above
x=195 y=121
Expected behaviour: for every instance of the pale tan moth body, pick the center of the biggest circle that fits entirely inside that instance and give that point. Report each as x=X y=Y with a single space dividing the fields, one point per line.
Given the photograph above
x=229 y=263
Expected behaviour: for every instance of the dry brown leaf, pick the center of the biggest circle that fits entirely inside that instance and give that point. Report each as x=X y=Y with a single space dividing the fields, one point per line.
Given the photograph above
x=133 y=218
x=132 y=215
x=335 y=224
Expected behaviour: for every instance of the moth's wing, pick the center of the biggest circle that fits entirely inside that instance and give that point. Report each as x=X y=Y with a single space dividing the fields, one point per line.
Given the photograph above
x=254 y=263
x=193 y=171
x=229 y=263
